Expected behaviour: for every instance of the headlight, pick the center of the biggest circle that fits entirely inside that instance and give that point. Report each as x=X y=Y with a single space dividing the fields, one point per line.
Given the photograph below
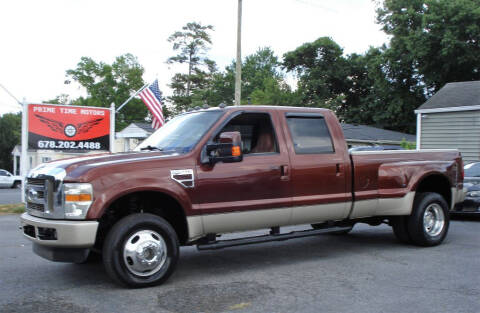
x=473 y=194
x=77 y=200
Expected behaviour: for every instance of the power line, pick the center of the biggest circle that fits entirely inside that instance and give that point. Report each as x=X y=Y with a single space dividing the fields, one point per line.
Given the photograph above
x=11 y=95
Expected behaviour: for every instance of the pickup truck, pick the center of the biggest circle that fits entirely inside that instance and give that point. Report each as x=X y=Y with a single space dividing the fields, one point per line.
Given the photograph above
x=8 y=180
x=232 y=169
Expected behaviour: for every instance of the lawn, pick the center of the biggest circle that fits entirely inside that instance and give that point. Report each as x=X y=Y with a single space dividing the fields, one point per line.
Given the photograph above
x=16 y=208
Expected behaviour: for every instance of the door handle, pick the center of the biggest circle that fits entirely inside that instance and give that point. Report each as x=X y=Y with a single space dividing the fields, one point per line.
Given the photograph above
x=284 y=172
x=339 y=169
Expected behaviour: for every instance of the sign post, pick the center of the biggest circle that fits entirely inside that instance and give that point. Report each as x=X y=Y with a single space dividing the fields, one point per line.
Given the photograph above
x=112 y=128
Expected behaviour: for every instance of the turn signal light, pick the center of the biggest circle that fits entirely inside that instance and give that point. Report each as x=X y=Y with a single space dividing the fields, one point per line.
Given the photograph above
x=78 y=197
x=236 y=151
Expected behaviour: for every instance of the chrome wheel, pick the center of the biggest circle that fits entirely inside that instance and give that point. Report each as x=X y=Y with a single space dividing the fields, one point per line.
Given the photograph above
x=144 y=253
x=433 y=220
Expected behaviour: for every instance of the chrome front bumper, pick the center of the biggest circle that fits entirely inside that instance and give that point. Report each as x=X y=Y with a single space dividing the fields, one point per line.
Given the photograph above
x=59 y=233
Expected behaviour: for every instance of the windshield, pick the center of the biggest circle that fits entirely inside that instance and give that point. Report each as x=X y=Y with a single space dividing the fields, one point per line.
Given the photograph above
x=182 y=133
x=472 y=170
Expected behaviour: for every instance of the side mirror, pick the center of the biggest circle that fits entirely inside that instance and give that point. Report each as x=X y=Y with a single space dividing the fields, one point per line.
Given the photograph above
x=229 y=149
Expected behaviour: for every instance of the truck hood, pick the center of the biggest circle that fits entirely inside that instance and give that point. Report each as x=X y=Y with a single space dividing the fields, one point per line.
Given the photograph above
x=66 y=167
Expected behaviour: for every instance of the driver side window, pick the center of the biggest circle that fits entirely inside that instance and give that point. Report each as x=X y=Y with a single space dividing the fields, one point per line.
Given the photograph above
x=256 y=129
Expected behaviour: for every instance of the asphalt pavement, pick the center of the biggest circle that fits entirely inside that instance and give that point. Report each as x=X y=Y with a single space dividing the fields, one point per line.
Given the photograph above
x=9 y=195
x=365 y=271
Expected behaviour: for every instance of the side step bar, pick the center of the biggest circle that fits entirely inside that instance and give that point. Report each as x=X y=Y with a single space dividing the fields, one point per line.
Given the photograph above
x=274 y=236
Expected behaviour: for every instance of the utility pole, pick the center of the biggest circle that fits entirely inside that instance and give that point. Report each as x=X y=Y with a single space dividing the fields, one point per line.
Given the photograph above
x=238 y=74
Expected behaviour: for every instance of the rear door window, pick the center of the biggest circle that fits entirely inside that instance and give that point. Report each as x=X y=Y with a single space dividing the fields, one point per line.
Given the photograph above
x=310 y=135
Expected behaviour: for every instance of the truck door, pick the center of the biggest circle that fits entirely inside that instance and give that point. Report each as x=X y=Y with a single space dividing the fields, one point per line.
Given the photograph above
x=319 y=168
x=255 y=192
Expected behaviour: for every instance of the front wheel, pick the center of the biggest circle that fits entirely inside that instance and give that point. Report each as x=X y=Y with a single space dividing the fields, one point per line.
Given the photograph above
x=141 y=250
x=428 y=224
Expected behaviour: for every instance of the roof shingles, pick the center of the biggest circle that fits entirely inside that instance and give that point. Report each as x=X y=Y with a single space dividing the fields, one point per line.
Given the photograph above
x=454 y=95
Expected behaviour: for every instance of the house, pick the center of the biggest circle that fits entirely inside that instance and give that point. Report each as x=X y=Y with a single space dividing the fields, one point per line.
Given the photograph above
x=362 y=135
x=450 y=119
x=132 y=135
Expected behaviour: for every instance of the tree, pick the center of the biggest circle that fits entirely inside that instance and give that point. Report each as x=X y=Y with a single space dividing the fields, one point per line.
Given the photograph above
x=275 y=92
x=262 y=81
x=439 y=38
x=115 y=83
x=322 y=72
x=192 y=44
x=10 y=134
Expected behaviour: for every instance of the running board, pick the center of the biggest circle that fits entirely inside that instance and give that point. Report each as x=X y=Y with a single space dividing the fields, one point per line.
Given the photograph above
x=215 y=245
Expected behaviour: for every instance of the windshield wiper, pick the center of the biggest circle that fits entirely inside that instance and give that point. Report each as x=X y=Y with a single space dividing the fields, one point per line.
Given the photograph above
x=151 y=148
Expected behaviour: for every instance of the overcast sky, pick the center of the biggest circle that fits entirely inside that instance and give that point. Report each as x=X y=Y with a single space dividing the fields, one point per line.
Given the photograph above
x=42 y=39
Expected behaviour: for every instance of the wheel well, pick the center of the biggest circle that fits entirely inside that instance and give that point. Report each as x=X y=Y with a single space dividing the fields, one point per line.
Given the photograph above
x=144 y=202
x=438 y=184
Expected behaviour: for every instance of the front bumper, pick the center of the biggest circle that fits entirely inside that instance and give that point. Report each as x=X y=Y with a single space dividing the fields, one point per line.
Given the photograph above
x=59 y=233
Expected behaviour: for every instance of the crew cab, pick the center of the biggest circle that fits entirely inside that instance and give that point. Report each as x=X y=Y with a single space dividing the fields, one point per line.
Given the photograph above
x=221 y=170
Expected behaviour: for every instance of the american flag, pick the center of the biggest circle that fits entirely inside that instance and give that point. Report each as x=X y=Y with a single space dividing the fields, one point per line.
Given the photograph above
x=152 y=97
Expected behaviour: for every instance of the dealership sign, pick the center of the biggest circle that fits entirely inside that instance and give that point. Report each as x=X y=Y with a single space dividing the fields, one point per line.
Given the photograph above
x=66 y=127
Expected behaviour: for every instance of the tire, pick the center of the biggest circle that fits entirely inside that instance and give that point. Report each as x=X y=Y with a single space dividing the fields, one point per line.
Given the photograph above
x=126 y=265
x=400 y=228
x=428 y=224
x=16 y=184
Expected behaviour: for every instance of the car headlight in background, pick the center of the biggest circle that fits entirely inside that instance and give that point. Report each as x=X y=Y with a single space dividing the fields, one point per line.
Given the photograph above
x=473 y=194
x=77 y=200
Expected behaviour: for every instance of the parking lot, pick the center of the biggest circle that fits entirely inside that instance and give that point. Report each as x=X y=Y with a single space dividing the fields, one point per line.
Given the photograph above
x=9 y=195
x=365 y=271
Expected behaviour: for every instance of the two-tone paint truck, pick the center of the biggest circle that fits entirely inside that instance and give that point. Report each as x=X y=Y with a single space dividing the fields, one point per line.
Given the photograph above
x=221 y=170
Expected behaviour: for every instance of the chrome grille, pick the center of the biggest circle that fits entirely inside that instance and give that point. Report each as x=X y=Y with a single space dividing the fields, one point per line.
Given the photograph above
x=35 y=206
x=36 y=181
x=35 y=192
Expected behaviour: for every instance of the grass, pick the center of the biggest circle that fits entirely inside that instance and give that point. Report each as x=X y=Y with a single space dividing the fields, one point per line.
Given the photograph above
x=15 y=208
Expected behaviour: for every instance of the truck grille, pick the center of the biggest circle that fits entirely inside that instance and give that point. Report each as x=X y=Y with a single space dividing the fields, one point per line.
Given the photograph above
x=36 y=181
x=35 y=193
x=35 y=206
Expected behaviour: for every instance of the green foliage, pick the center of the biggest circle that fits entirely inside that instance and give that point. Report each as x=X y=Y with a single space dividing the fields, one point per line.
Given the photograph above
x=322 y=72
x=275 y=92
x=192 y=44
x=437 y=41
x=10 y=135
x=60 y=99
x=111 y=83
x=432 y=42
x=408 y=145
x=262 y=82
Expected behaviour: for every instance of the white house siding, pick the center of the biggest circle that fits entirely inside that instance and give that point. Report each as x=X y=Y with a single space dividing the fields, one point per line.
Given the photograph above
x=452 y=130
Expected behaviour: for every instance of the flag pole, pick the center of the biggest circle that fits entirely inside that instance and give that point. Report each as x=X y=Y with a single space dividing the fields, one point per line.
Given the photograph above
x=128 y=100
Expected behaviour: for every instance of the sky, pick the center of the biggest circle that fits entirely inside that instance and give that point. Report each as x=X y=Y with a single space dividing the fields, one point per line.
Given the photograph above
x=42 y=39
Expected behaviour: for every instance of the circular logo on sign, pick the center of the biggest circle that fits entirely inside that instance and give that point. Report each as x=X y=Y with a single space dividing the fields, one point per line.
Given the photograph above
x=70 y=130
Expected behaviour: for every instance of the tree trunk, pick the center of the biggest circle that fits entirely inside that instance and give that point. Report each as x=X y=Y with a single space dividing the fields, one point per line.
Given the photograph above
x=189 y=73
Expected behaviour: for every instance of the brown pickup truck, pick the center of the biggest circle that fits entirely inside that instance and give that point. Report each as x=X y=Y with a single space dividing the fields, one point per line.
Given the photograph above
x=221 y=170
